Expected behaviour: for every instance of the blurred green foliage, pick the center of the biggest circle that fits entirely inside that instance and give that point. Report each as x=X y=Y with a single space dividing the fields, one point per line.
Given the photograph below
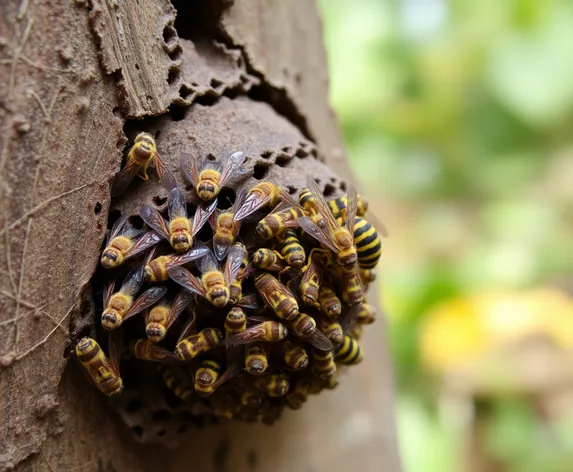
x=457 y=115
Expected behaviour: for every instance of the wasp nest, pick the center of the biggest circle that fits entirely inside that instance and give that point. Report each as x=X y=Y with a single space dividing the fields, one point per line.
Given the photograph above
x=232 y=296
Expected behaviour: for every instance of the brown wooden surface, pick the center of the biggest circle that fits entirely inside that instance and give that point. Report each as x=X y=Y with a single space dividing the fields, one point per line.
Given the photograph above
x=73 y=76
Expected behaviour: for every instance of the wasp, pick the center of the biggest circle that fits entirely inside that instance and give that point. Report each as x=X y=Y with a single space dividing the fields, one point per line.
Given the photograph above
x=268 y=259
x=329 y=303
x=298 y=394
x=349 y=352
x=145 y=350
x=103 y=371
x=236 y=287
x=160 y=318
x=191 y=346
x=332 y=330
x=278 y=221
x=208 y=376
x=338 y=206
x=121 y=306
x=323 y=364
x=269 y=331
x=275 y=385
x=339 y=239
x=355 y=332
x=225 y=228
x=291 y=249
x=352 y=292
x=213 y=176
x=310 y=204
x=304 y=327
x=295 y=356
x=256 y=360
x=251 y=398
x=261 y=195
x=177 y=381
x=125 y=241
x=140 y=156
x=271 y=413
x=214 y=284
x=156 y=269
x=367 y=314
x=276 y=296
x=224 y=405
x=235 y=322
x=180 y=231
x=310 y=282
x=367 y=276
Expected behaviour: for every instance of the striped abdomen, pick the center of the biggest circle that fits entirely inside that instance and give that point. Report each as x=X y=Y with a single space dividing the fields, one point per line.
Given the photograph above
x=367 y=242
x=291 y=249
x=349 y=352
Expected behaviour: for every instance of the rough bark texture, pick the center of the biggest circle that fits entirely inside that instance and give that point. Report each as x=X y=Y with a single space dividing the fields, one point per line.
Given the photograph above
x=76 y=78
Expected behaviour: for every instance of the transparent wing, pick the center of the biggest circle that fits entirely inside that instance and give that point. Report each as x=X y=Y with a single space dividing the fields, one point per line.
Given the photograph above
x=180 y=302
x=251 y=204
x=177 y=207
x=133 y=281
x=154 y=220
x=232 y=371
x=124 y=178
x=187 y=280
x=351 y=209
x=323 y=207
x=108 y=292
x=233 y=263
x=201 y=216
x=250 y=301
x=349 y=318
x=319 y=341
x=188 y=256
x=207 y=263
x=189 y=166
x=166 y=177
x=315 y=232
x=115 y=344
x=145 y=300
x=188 y=327
x=117 y=227
x=149 y=239
x=231 y=164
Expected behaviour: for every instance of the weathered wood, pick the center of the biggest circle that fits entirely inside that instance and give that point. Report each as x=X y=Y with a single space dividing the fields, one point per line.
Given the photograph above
x=74 y=79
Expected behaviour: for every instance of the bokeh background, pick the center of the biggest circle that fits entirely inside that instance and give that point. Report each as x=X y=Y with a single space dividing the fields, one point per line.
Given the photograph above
x=458 y=119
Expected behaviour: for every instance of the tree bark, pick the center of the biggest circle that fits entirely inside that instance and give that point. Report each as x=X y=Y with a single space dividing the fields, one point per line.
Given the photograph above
x=77 y=79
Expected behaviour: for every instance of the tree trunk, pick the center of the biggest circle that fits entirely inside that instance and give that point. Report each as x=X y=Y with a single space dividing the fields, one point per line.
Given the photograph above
x=76 y=79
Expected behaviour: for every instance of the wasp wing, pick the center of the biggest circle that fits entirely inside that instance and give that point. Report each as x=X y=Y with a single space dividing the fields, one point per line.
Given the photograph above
x=115 y=344
x=317 y=233
x=349 y=318
x=154 y=220
x=189 y=166
x=108 y=293
x=149 y=239
x=201 y=216
x=166 y=177
x=231 y=165
x=187 y=280
x=180 y=302
x=176 y=207
x=144 y=301
x=323 y=208
x=233 y=263
x=124 y=178
x=351 y=209
x=319 y=341
x=133 y=281
x=117 y=227
x=191 y=255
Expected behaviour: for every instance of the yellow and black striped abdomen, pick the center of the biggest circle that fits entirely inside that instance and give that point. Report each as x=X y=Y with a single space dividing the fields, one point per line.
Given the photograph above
x=349 y=351
x=338 y=207
x=367 y=242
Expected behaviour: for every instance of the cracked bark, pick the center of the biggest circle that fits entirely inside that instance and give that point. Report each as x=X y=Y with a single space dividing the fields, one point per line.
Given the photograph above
x=71 y=89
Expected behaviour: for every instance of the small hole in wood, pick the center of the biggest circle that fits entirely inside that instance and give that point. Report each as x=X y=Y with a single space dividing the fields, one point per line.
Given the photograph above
x=161 y=415
x=260 y=171
x=286 y=149
x=175 y=53
x=177 y=113
x=159 y=201
x=301 y=153
x=283 y=160
x=136 y=66
x=291 y=190
x=136 y=221
x=266 y=154
x=343 y=186
x=97 y=208
x=226 y=198
x=169 y=33
x=113 y=217
x=116 y=112
x=328 y=190
x=173 y=75
x=211 y=157
x=215 y=83
x=185 y=91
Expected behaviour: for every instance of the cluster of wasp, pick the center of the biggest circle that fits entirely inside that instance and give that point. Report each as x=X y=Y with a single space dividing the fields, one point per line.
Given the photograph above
x=256 y=316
